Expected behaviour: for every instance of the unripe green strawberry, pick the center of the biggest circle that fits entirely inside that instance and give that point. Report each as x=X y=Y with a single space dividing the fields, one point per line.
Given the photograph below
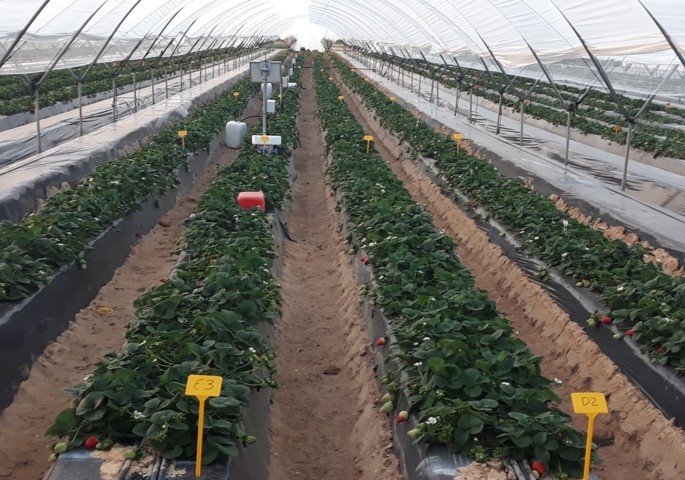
x=130 y=454
x=59 y=448
x=52 y=458
x=414 y=432
x=387 y=407
x=386 y=398
x=250 y=439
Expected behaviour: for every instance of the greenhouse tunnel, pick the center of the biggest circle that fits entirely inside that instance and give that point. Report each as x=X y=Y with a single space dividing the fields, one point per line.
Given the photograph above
x=519 y=187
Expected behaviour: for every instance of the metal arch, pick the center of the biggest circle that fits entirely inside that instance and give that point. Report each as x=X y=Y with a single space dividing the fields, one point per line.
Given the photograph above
x=661 y=28
x=109 y=39
x=343 y=17
x=320 y=14
x=23 y=31
x=359 y=11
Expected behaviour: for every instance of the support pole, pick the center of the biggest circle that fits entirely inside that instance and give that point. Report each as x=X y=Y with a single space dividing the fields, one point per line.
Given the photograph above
x=152 y=81
x=114 y=99
x=523 y=108
x=471 y=104
x=166 y=83
x=625 y=163
x=135 y=93
x=80 y=108
x=181 y=77
x=499 y=114
x=456 y=102
x=568 y=135
x=37 y=107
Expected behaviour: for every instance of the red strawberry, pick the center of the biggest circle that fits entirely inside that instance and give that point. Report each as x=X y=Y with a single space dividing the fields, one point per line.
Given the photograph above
x=606 y=320
x=162 y=280
x=538 y=466
x=365 y=260
x=474 y=204
x=380 y=342
x=90 y=442
x=402 y=416
x=659 y=350
x=212 y=260
x=630 y=333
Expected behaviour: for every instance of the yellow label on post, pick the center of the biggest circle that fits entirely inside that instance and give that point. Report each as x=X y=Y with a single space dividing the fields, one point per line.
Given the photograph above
x=368 y=139
x=457 y=136
x=341 y=98
x=183 y=134
x=236 y=94
x=617 y=128
x=202 y=387
x=392 y=99
x=330 y=79
x=589 y=403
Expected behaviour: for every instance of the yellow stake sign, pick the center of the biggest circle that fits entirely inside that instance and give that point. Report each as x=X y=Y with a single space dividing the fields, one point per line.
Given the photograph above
x=341 y=98
x=202 y=387
x=183 y=134
x=330 y=79
x=236 y=94
x=392 y=99
x=617 y=128
x=368 y=139
x=590 y=404
x=457 y=138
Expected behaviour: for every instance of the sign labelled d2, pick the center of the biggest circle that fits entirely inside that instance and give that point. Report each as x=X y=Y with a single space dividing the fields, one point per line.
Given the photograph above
x=589 y=403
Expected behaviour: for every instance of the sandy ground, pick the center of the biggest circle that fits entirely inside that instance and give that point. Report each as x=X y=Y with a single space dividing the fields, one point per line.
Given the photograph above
x=325 y=419
x=66 y=361
x=646 y=445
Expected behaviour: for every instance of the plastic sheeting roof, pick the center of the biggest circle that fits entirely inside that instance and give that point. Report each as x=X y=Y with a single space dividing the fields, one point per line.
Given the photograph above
x=35 y=34
x=70 y=33
x=510 y=28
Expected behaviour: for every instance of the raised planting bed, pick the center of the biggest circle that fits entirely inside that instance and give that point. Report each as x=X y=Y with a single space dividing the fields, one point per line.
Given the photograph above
x=468 y=383
x=605 y=281
x=212 y=316
x=658 y=132
x=45 y=276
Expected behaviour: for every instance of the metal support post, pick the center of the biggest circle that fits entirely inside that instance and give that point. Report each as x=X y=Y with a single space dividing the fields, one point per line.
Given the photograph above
x=568 y=134
x=499 y=113
x=135 y=93
x=37 y=110
x=80 y=108
x=627 y=158
x=523 y=107
x=114 y=99
x=152 y=82
x=470 y=103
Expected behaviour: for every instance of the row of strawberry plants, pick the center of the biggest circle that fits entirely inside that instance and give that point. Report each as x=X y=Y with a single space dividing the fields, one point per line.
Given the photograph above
x=59 y=232
x=643 y=302
x=592 y=119
x=473 y=383
x=16 y=94
x=203 y=320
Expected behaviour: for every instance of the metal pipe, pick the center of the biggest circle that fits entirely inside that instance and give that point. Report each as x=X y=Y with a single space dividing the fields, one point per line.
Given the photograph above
x=499 y=113
x=114 y=99
x=80 y=108
x=523 y=105
x=569 y=112
x=37 y=107
x=627 y=158
x=152 y=82
x=135 y=94
x=470 y=103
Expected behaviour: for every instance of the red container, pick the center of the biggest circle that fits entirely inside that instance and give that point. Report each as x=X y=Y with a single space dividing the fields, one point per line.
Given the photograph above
x=248 y=200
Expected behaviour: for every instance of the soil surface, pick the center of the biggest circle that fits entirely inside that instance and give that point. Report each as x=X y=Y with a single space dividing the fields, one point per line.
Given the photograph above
x=325 y=418
x=66 y=361
x=646 y=445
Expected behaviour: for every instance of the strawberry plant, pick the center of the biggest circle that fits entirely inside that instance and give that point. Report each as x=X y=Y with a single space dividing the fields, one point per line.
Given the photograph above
x=472 y=382
x=638 y=294
x=58 y=233
x=201 y=320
